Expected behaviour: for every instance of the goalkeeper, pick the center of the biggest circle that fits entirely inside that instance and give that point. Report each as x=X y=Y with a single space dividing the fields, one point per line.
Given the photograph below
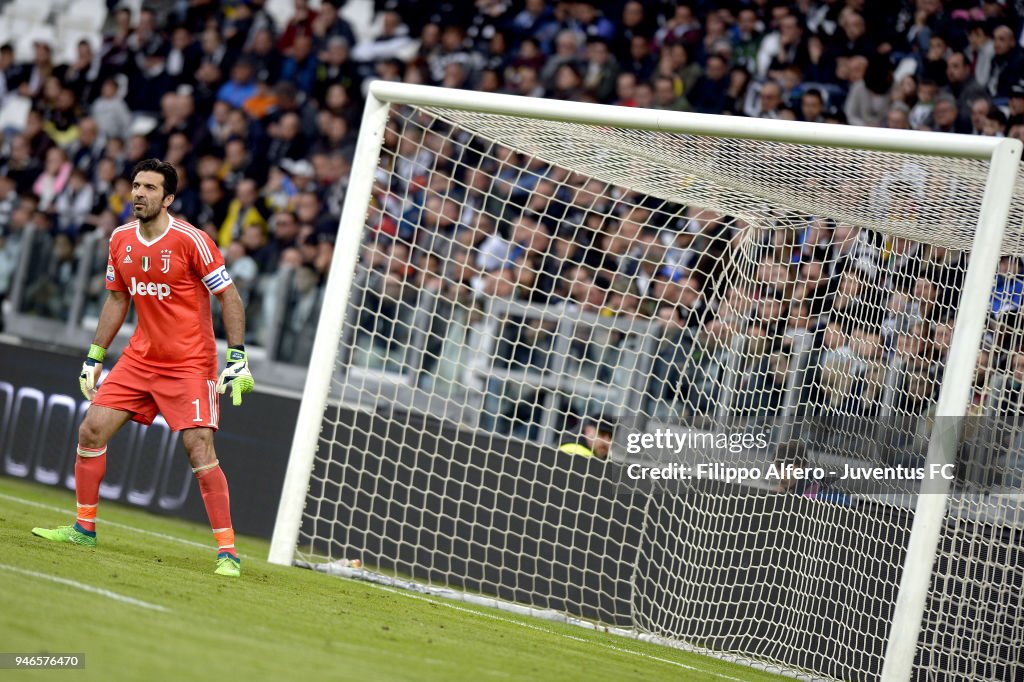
x=168 y=269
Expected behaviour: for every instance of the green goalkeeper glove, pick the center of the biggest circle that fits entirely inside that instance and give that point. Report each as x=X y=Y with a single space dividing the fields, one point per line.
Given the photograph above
x=91 y=370
x=237 y=374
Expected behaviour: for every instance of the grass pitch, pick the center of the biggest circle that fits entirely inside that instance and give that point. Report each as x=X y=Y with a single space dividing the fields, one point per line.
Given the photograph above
x=145 y=605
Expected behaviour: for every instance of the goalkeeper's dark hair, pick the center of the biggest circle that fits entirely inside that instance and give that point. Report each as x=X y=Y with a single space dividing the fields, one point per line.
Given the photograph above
x=163 y=168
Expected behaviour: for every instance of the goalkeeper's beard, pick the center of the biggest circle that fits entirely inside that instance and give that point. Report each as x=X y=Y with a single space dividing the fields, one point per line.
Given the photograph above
x=145 y=213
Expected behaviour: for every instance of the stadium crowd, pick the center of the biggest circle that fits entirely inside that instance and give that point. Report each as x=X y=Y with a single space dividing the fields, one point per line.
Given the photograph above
x=260 y=118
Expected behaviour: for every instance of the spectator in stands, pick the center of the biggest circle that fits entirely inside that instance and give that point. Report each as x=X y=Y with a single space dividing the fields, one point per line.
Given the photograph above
x=681 y=66
x=242 y=85
x=567 y=52
x=591 y=22
x=286 y=139
x=898 y=117
x=54 y=177
x=213 y=205
x=386 y=305
x=634 y=22
x=812 y=106
x=149 y=83
x=39 y=142
x=773 y=45
x=567 y=84
x=328 y=25
x=868 y=98
x=392 y=42
x=527 y=82
x=1015 y=106
x=335 y=71
x=625 y=89
x=678 y=382
x=961 y=83
x=300 y=65
x=146 y=40
x=9 y=71
x=182 y=56
x=666 y=95
x=239 y=164
x=1007 y=62
x=933 y=64
x=600 y=69
x=529 y=23
x=21 y=165
x=710 y=94
x=643 y=96
x=300 y=23
x=979 y=111
x=33 y=75
x=303 y=312
x=82 y=75
x=945 y=118
x=994 y=123
x=452 y=49
x=1008 y=292
x=215 y=53
x=746 y=37
x=1015 y=127
x=979 y=52
x=115 y=54
x=241 y=266
x=308 y=209
x=247 y=208
x=74 y=203
x=682 y=27
x=284 y=232
x=50 y=290
x=8 y=199
x=766 y=102
x=595 y=440
x=641 y=60
x=924 y=104
x=917 y=385
x=110 y=111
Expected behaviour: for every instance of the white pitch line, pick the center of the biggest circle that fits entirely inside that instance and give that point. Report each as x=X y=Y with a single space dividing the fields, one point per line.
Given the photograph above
x=112 y=524
x=85 y=588
x=530 y=626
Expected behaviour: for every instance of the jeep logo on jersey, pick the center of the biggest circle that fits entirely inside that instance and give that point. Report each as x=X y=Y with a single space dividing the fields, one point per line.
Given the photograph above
x=161 y=290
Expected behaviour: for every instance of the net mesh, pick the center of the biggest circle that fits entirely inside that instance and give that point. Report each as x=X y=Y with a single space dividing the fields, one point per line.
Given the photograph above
x=714 y=305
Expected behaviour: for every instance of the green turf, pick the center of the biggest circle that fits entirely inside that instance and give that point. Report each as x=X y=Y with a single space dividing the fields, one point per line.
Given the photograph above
x=275 y=623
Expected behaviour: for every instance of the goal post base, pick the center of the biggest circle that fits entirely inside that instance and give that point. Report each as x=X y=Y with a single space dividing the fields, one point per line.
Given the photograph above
x=453 y=598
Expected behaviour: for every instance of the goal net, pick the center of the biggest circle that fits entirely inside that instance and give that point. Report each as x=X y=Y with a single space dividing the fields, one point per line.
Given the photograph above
x=784 y=360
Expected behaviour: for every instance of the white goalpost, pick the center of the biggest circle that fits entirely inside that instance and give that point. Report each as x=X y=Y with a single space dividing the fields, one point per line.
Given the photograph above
x=798 y=344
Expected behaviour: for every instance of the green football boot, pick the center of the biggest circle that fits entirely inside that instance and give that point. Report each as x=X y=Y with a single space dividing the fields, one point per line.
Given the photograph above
x=67 y=534
x=229 y=566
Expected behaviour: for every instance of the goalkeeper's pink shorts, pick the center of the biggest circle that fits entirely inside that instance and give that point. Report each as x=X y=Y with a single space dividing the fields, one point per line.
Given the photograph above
x=186 y=402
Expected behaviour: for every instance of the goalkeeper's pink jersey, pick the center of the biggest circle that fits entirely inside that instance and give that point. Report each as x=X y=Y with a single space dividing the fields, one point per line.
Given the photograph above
x=170 y=280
